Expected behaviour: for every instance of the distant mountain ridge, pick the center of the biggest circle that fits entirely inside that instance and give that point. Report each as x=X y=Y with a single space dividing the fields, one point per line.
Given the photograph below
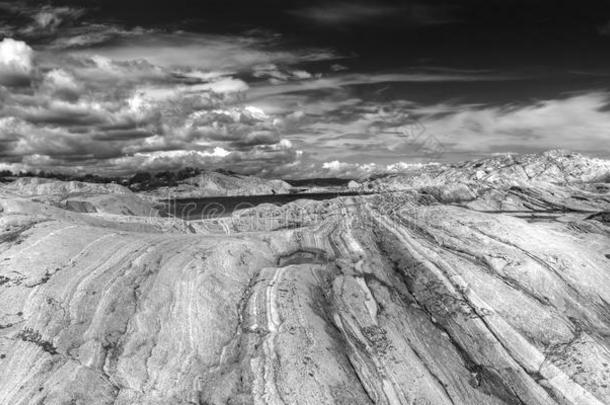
x=554 y=166
x=208 y=184
x=188 y=181
x=551 y=167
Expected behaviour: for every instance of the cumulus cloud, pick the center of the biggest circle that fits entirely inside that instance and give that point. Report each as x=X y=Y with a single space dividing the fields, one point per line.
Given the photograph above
x=105 y=97
x=152 y=127
x=119 y=99
x=61 y=84
x=171 y=159
x=16 y=63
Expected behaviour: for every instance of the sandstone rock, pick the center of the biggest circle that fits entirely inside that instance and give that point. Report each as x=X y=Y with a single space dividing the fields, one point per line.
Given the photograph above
x=471 y=292
x=80 y=197
x=553 y=167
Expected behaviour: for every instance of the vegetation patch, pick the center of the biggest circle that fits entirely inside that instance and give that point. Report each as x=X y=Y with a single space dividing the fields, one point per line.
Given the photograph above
x=33 y=336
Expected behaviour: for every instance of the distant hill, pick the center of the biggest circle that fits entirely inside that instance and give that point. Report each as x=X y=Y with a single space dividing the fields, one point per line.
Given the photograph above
x=188 y=181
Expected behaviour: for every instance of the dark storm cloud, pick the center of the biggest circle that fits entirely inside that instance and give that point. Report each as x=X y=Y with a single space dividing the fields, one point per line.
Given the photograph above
x=122 y=135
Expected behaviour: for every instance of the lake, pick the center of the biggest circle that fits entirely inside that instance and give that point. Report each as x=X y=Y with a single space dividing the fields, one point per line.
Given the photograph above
x=224 y=206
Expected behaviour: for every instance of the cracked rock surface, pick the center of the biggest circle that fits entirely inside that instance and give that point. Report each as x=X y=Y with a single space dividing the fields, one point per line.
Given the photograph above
x=435 y=292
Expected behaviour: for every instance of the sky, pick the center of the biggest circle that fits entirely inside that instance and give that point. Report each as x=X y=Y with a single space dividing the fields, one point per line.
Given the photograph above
x=298 y=89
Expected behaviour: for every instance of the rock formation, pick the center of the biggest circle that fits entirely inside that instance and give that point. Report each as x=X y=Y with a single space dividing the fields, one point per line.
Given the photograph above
x=450 y=287
x=209 y=184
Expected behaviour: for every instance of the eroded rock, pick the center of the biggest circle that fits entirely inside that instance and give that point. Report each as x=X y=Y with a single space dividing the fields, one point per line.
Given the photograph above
x=479 y=292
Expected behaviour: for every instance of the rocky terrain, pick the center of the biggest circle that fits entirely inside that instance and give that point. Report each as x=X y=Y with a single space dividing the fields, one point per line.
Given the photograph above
x=211 y=184
x=485 y=282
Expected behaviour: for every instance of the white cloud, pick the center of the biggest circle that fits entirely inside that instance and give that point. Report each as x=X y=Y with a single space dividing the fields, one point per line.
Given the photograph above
x=404 y=166
x=203 y=51
x=335 y=166
x=15 y=61
x=61 y=83
x=301 y=74
x=89 y=34
x=579 y=123
x=256 y=112
x=171 y=155
x=50 y=18
x=224 y=86
x=358 y=170
x=60 y=79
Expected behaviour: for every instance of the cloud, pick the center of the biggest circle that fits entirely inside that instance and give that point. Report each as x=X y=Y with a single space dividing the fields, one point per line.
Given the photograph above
x=106 y=98
x=338 y=168
x=340 y=132
x=62 y=84
x=160 y=160
x=157 y=127
x=89 y=34
x=114 y=99
x=15 y=62
x=343 y=13
x=337 y=81
x=275 y=74
x=204 y=51
x=225 y=85
x=48 y=19
x=337 y=67
x=578 y=122
x=35 y=22
x=271 y=160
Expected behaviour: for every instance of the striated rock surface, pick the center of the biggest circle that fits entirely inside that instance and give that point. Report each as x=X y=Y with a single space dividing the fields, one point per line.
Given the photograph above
x=483 y=292
x=78 y=196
